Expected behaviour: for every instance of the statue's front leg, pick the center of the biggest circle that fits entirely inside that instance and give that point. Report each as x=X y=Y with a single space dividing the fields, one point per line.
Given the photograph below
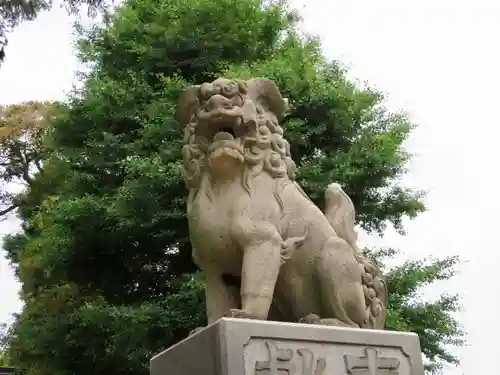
x=220 y=298
x=261 y=263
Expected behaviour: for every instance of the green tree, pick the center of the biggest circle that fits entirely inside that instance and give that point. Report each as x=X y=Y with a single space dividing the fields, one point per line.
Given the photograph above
x=22 y=150
x=4 y=356
x=104 y=257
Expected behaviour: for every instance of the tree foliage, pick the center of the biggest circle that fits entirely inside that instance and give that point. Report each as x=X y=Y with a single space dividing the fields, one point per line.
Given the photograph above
x=104 y=256
x=4 y=339
x=13 y=12
x=22 y=150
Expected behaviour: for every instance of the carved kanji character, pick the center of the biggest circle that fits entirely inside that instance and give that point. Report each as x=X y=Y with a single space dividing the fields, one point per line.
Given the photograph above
x=279 y=361
x=308 y=363
x=371 y=364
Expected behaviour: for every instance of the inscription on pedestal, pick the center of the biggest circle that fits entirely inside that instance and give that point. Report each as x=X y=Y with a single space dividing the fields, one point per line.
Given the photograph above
x=280 y=362
x=250 y=347
x=371 y=364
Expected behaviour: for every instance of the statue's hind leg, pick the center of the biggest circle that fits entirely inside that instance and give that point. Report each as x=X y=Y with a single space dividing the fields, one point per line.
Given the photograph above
x=339 y=276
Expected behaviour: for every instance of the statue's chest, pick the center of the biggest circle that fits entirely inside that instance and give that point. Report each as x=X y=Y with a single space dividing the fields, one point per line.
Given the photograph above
x=211 y=219
x=211 y=222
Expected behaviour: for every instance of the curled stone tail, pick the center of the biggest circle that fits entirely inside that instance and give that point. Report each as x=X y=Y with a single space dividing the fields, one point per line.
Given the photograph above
x=375 y=292
x=340 y=212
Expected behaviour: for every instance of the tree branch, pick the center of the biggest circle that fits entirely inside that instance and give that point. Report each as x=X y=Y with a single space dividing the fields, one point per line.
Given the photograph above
x=38 y=165
x=8 y=209
x=26 y=168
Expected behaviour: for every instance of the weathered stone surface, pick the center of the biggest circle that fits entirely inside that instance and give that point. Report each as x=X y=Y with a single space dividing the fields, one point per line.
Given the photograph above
x=266 y=250
x=249 y=347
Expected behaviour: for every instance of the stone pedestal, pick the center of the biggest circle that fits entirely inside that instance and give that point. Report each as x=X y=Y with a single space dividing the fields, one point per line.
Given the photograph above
x=250 y=347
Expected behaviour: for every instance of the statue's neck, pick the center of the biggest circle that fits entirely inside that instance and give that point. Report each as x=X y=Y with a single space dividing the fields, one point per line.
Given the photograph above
x=223 y=180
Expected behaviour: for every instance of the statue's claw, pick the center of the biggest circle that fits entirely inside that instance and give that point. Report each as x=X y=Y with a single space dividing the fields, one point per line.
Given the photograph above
x=315 y=319
x=310 y=319
x=240 y=314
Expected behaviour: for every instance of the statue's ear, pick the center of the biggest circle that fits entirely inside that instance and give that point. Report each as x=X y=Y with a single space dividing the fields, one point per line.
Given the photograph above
x=186 y=103
x=266 y=93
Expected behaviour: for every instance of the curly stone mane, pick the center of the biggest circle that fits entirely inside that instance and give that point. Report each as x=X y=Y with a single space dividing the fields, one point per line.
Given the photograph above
x=264 y=150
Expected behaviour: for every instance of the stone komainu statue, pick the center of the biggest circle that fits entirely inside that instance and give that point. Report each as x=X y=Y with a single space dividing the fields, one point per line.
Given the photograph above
x=267 y=252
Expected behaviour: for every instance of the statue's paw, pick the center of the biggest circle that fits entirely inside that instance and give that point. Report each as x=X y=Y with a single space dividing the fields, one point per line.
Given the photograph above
x=196 y=330
x=310 y=319
x=240 y=314
x=315 y=319
x=334 y=322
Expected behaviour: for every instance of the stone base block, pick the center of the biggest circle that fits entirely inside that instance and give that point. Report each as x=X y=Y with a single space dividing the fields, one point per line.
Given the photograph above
x=252 y=347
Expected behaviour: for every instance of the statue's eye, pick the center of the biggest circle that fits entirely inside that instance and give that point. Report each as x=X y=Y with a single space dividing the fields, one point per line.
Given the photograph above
x=206 y=91
x=242 y=87
x=229 y=89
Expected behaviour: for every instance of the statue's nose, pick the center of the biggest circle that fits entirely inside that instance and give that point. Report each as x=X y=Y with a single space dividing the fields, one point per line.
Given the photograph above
x=218 y=102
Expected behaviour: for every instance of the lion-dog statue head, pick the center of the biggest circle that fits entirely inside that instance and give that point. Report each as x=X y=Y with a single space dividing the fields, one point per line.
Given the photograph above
x=229 y=123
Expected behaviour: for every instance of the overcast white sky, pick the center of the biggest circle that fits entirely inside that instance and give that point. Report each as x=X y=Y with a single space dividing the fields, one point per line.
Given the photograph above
x=440 y=61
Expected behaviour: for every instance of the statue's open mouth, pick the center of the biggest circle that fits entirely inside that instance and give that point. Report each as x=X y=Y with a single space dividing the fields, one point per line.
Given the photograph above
x=222 y=119
x=225 y=121
x=225 y=139
x=224 y=130
x=221 y=114
x=225 y=148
